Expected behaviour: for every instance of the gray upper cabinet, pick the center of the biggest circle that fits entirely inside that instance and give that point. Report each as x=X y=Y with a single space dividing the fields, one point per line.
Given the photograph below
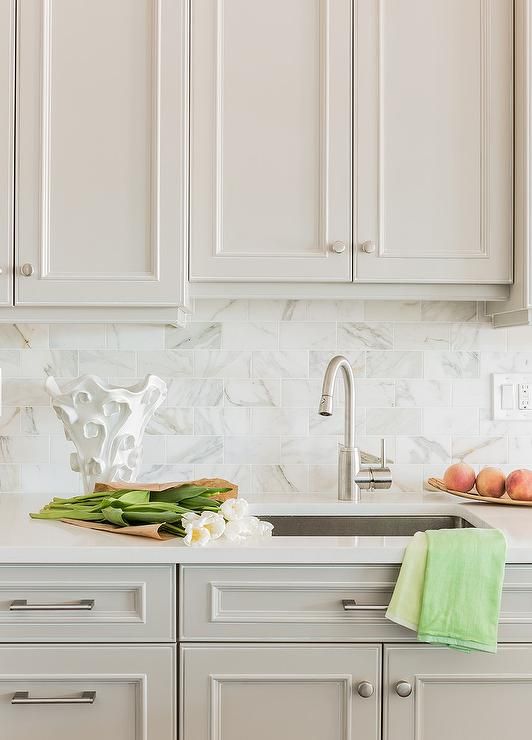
x=456 y=695
x=434 y=120
x=7 y=139
x=289 y=692
x=271 y=140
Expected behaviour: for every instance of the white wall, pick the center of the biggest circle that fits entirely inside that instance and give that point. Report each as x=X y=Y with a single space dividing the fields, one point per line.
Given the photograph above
x=244 y=381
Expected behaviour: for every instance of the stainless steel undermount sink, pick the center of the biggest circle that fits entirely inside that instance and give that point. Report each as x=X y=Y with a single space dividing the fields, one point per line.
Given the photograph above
x=362 y=526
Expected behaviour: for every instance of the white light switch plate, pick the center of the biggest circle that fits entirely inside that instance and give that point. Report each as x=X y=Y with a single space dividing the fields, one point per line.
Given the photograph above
x=512 y=396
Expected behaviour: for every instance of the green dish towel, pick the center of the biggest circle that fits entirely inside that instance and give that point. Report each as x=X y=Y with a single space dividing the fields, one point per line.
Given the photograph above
x=449 y=587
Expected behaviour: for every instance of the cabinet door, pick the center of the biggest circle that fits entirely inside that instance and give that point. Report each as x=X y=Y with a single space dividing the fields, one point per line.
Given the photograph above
x=457 y=695
x=101 y=142
x=60 y=692
x=286 y=692
x=7 y=138
x=434 y=118
x=271 y=140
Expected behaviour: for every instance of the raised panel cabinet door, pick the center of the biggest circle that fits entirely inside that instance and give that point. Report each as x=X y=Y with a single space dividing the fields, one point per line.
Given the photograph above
x=101 y=151
x=286 y=692
x=7 y=139
x=434 y=123
x=463 y=696
x=271 y=140
x=96 y=692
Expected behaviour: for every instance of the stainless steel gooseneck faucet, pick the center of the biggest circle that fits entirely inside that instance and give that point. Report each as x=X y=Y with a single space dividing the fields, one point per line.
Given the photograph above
x=352 y=475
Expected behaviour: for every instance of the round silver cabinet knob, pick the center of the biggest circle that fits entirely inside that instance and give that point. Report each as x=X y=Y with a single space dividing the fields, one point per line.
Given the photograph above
x=368 y=247
x=27 y=269
x=403 y=688
x=365 y=689
x=338 y=247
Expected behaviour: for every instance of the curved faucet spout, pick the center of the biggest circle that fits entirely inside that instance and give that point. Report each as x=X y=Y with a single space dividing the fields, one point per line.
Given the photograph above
x=327 y=397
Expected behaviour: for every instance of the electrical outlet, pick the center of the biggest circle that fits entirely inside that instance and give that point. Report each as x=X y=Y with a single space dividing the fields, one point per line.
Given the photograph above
x=512 y=396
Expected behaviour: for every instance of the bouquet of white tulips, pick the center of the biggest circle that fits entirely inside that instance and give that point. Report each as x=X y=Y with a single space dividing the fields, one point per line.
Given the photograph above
x=232 y=522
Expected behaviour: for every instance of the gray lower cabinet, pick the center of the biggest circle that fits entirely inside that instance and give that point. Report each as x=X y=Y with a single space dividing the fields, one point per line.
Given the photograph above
x=285 y=692
x=87 y=692
x=456 y=695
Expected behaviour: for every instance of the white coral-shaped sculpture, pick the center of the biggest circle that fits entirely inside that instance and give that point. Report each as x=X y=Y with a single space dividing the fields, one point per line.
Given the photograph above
x=106 y=424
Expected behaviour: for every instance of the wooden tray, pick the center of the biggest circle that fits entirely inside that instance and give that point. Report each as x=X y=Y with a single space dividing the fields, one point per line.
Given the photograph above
x=440 y=485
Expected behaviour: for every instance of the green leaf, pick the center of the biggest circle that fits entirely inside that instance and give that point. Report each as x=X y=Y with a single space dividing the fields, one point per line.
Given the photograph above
x=134 y=497
x=115 y=516
x=86 y=516
x=180 y=493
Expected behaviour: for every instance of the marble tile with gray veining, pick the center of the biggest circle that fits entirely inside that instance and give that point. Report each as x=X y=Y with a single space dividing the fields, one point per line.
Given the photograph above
x=407 y=479
x=237 y=474
x=222 y=364
x=133 y=336
x=319 y=359
x=393 y=421
x=250 y=335
x=278 y=310
x=22 y=449
x=280 y=364
x=252 y=393
x=166 y=473
x=24 y=391
x=519 y=338
x=46 y=477
x=252 y=450
x=283 y=421
x=186 y=392
x=420 y=392
x=194 y=449
x=370 y=449
x=478 y=337
x=323 y=480
x=279 y=478
x=506 y=362
x=392 y=310
x=61 y=363
x=9 y=478
x=350 y=310
x=24 y=336
x=374 y=393
x=307 y=335
x=168 y=420
x=485 y=450
x=422 y=336
x=358 y=335
x=222 y=421
x=448 y=311
x=39 y=420
x=450 y=421
x=392 y=364
x=490 y=427
x=309 y=450
x=78 y=336
x=451 y=364
x=300 y=393
x=520 y=449
x=166 y=363
x=220 y=309
x=471 y=392
x=423 y=450
x=10 y=421
x=105 y=363
x=335 y=310
x=10 y=363
x=195 y=335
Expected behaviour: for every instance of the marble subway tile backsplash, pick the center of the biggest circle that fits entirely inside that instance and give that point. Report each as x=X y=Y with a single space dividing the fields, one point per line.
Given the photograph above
x=244 y=380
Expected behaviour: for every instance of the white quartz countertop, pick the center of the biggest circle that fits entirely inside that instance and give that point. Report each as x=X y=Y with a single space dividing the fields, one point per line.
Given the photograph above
x=25 y=540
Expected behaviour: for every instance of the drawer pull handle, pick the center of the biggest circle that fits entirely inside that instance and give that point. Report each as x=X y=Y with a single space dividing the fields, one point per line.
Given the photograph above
x=23 y=697
x=350 y=605
x=21 y=605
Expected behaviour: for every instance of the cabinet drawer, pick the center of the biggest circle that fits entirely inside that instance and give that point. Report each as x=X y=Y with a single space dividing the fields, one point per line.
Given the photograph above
x=57 y=692
x=126 y=603
x=305 y=603
x=287 y=603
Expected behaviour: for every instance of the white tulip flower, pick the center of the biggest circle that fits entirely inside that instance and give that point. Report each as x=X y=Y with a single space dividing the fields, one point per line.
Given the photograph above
x=212 y=521
x=236 y=530
x=196 y=534
x=234 y=509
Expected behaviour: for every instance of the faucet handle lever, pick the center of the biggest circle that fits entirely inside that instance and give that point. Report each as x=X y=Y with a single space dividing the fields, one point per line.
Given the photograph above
x=383 y=454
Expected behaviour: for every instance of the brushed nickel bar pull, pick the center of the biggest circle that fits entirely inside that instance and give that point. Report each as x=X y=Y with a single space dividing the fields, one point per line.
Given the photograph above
x=23 y=697
x=350 y=605
x=21 y=605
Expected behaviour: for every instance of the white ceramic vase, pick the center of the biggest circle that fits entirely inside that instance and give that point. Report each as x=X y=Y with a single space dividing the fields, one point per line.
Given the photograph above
x=106 y=424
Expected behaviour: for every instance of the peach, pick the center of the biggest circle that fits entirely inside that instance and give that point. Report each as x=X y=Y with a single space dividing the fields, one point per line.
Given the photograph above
x=519 y=485
x=459 y=477
x=491 y=482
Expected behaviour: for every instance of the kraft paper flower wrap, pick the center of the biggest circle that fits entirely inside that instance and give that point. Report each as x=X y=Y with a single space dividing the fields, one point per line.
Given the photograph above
x=198 y=511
